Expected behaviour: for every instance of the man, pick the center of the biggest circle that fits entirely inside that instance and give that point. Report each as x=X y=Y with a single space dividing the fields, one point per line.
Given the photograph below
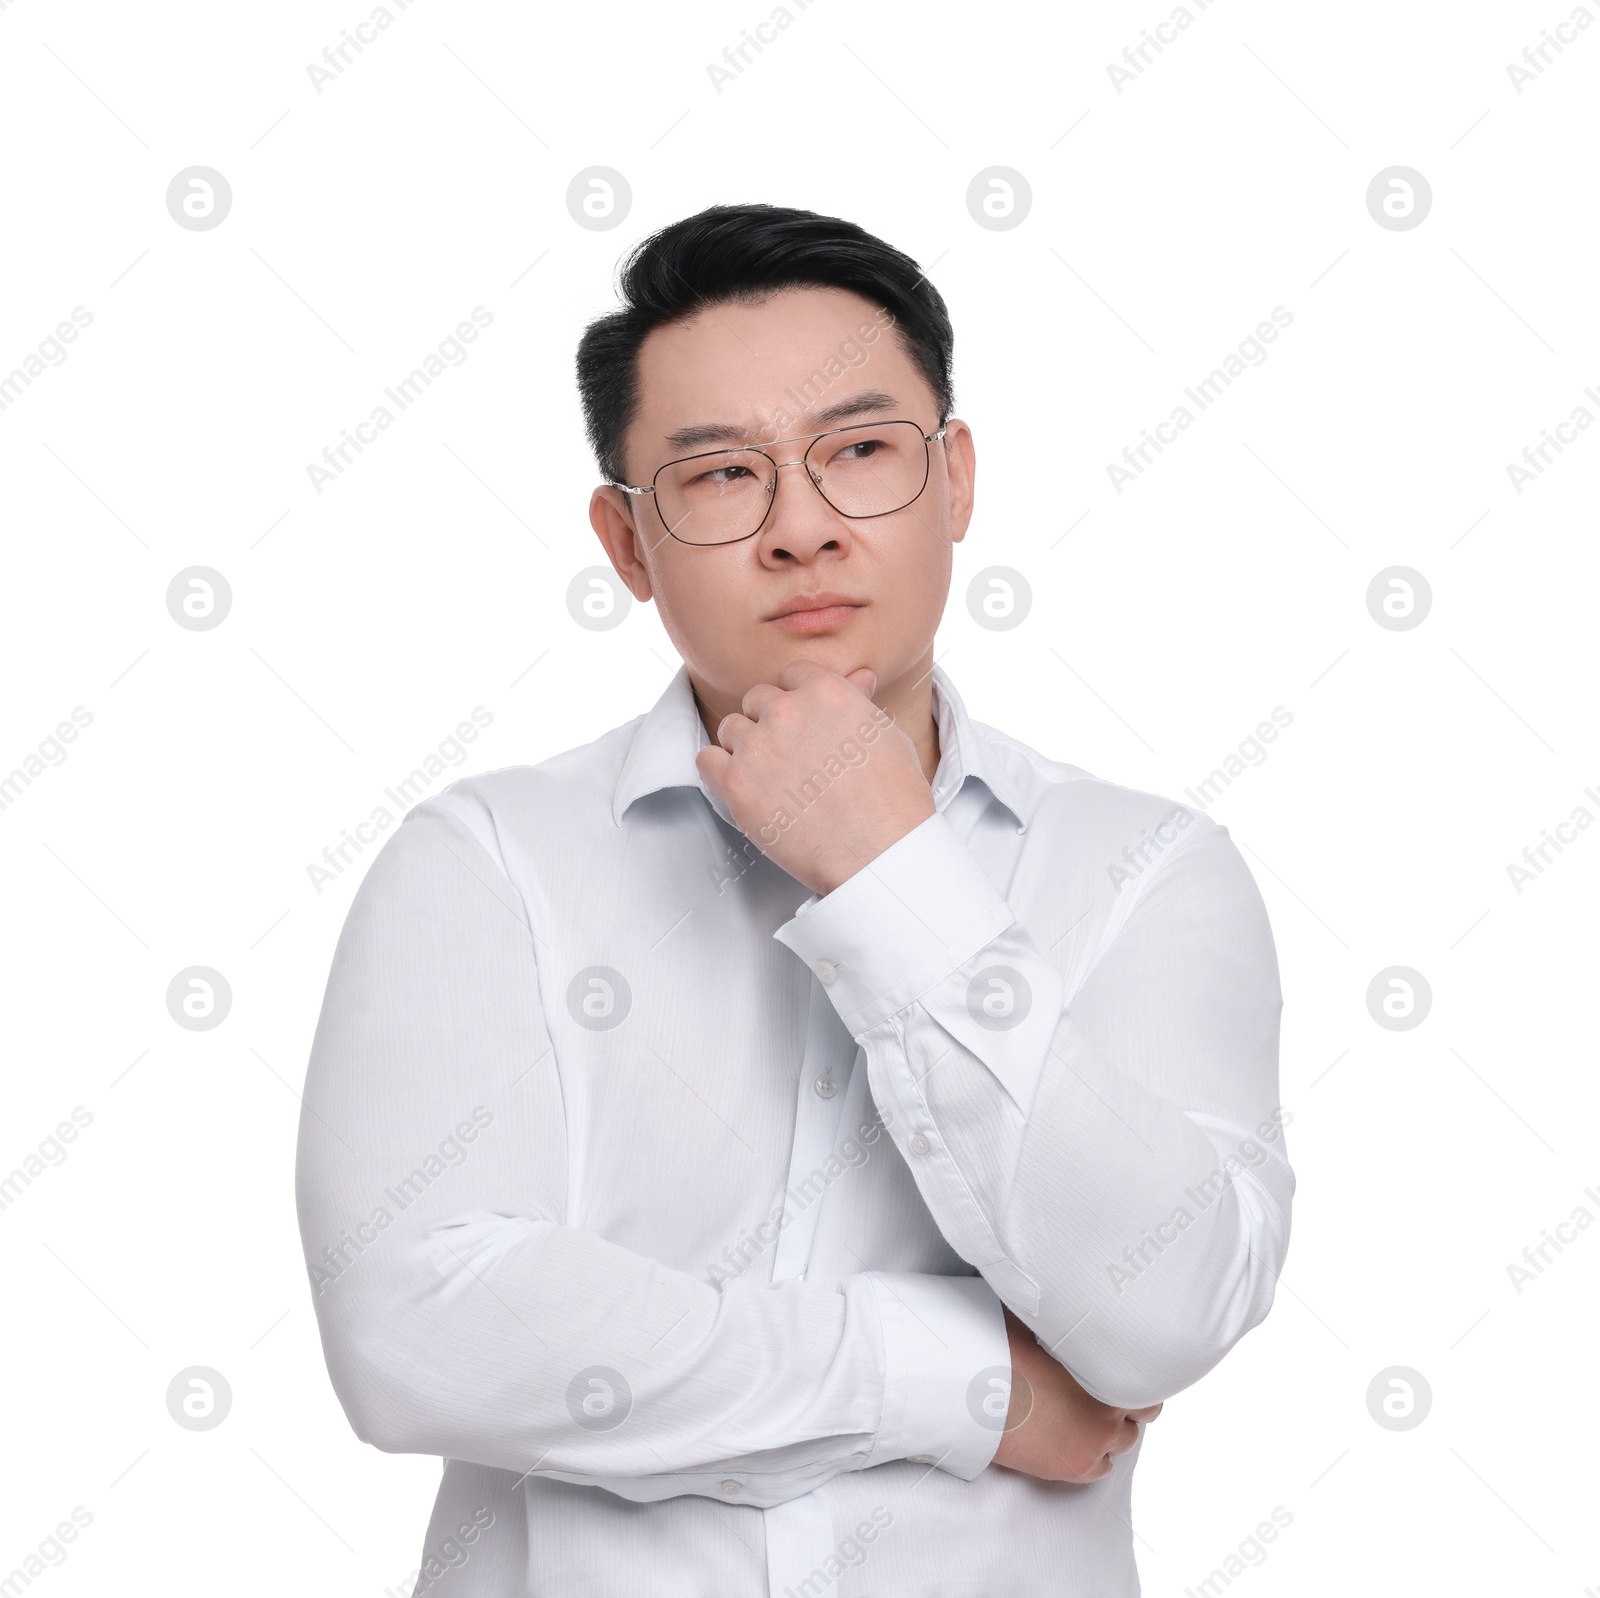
x=793 y=1144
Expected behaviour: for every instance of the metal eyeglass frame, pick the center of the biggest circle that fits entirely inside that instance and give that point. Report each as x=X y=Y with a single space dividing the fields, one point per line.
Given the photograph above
x=777 y=466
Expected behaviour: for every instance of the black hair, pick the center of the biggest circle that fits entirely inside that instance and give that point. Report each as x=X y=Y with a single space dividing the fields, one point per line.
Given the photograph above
x=745 y=252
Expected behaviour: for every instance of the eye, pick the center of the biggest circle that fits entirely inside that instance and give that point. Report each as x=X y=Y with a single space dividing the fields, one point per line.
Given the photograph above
x=862 y=449
x=721 y=476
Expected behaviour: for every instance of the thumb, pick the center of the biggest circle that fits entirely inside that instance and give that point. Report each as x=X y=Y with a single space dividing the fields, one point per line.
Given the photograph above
x=865 y=678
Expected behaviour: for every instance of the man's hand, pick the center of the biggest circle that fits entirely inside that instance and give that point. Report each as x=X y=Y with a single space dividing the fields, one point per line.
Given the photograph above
x=816 y=775
x=1055 y=1430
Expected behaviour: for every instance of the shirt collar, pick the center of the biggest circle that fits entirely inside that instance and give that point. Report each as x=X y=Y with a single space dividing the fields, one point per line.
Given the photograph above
x=671 y=734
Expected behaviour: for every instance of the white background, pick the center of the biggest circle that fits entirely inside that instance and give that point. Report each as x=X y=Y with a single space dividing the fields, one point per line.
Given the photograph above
x=1168 y=620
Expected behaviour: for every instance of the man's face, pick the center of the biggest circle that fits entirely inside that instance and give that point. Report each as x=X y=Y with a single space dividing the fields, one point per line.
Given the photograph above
x=797 y=363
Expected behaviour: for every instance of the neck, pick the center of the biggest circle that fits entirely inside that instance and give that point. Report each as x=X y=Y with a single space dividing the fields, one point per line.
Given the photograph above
x=909 y=699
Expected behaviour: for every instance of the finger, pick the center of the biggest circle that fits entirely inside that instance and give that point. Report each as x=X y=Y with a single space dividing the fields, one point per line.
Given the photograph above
x=713 y=762
x=733 y=731
x=756 y=699
x=799 y=672
x=864 y=678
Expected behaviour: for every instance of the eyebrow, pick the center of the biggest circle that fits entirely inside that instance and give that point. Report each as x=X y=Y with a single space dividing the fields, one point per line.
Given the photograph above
x=702 y=433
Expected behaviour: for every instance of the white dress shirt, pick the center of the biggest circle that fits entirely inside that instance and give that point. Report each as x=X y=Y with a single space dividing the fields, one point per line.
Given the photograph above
x=675 y=1207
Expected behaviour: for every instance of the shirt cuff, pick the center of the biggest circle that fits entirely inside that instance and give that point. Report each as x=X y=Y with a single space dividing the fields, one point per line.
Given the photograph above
x=948 y=1361
x=908 y=918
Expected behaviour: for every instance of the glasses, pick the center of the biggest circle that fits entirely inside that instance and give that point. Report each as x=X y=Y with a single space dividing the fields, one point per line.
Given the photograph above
x=726 y=495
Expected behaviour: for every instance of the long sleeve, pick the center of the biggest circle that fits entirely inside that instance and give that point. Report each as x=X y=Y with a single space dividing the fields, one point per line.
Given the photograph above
x=461 y=1316
x=1110 y=1155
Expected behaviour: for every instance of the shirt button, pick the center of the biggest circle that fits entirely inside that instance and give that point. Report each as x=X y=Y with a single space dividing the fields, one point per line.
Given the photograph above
x=920 y=1144
x=730 y=1487
x=826 y=1087
x=826 y=971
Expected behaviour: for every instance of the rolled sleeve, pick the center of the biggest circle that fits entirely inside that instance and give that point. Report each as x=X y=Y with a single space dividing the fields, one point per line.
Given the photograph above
x=948 y=1362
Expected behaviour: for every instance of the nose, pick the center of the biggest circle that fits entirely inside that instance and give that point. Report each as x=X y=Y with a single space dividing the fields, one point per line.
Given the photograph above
x=800 y=522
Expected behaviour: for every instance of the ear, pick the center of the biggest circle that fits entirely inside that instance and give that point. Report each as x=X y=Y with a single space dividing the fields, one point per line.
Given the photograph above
x=961 y=467
x=613 y=515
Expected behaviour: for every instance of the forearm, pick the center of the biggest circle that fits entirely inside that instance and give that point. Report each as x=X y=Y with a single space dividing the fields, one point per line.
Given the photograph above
x=1057 y=1136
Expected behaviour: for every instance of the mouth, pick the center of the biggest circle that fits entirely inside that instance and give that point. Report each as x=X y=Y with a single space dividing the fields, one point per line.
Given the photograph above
x=812 y=613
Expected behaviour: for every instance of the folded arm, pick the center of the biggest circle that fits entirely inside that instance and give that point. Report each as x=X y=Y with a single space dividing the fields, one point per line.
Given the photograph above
x=460 y=1315
x=1111 y=1159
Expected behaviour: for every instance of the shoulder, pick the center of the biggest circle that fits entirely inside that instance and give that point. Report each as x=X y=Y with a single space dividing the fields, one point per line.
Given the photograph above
x=518 y=811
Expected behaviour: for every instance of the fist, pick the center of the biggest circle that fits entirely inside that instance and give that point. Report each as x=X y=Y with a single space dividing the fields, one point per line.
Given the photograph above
x=1054 y=1429
x=816 y=775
